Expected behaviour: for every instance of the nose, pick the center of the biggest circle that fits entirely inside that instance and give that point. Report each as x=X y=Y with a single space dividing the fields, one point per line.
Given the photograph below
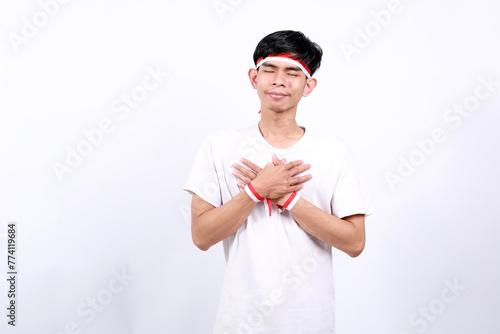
x=279 y=79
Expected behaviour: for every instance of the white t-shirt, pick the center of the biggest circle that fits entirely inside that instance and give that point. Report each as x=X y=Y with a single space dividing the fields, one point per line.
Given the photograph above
x=279 y=278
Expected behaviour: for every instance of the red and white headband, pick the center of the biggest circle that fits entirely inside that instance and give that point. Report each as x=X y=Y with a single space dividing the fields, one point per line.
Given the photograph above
x=287 y=59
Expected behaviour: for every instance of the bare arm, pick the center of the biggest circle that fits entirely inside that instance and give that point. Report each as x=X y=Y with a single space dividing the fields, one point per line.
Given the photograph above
x=346 y=234
x=209 y=224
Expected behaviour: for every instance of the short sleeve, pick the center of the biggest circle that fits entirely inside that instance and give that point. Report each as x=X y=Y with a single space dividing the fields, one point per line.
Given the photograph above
x=202 y=179
x=350 y=196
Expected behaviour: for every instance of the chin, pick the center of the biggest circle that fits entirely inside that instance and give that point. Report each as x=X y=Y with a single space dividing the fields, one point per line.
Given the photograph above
x=280 y=110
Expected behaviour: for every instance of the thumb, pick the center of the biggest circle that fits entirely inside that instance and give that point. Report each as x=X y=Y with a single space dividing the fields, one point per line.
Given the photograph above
x=276 y=161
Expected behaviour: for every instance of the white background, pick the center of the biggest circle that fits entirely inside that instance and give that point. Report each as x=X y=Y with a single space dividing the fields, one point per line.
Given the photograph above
x=121 y=210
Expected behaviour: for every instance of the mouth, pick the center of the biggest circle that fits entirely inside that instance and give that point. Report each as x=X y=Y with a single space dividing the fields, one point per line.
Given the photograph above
x=277 y=95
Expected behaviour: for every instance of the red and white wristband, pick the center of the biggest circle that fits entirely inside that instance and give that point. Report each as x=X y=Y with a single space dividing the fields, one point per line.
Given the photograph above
x=254 y=195
x=291 y=201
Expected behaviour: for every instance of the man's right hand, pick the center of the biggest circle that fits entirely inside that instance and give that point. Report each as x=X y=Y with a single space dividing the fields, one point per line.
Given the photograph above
x=276 y=179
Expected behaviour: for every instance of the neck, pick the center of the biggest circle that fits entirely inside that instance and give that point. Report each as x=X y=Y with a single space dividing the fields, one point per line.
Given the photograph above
x=280 y=129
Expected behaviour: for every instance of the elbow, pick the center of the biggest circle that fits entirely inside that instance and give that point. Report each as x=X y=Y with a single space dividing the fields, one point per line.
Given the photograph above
x=353 y=249
x=357 y=244
x=355 y=252
x=203 y=247
x=357 y=248
x=200 y=240
x=200 y=243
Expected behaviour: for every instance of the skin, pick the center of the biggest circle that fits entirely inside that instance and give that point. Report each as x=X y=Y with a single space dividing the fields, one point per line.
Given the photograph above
x=347 y=234
x=280 y=87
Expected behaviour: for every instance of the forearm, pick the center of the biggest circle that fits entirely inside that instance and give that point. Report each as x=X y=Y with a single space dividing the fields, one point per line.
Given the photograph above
x=345 y=235
x=215 y=225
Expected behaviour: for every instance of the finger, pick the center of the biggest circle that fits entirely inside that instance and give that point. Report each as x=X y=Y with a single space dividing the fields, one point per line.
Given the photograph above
x=245 y=171
x=301 y=179
x=242 y=177
x=276 y=161
x=294 y=164
x=241 y=185
x=251 y=165
x=296 y=188
x=300 y=169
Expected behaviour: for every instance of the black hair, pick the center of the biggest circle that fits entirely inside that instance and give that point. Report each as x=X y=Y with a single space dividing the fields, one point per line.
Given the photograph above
x=293 y=43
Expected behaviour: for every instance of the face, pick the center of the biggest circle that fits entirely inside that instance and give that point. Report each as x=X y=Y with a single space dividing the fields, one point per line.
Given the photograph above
x=280 y=86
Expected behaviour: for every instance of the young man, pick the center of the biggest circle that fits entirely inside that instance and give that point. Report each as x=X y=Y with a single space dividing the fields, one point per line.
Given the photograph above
x=279 y=197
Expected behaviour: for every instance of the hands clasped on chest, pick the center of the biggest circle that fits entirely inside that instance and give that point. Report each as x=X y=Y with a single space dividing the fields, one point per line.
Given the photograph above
x=277 y=181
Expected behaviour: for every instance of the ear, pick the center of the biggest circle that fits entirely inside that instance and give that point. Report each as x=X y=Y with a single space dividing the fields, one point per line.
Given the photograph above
x=252 y=74
x=309 y=87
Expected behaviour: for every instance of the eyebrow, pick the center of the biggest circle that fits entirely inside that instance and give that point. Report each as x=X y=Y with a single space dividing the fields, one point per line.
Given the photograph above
x=289 y=68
